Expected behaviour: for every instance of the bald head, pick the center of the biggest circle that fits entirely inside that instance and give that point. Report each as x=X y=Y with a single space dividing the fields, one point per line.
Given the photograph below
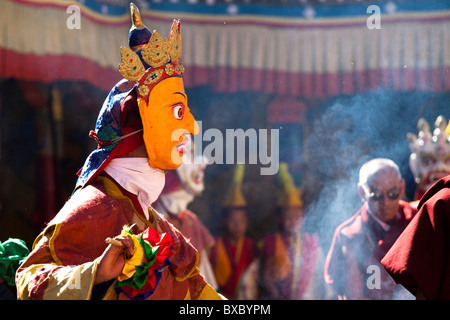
x=381 y=186
x=378 y=166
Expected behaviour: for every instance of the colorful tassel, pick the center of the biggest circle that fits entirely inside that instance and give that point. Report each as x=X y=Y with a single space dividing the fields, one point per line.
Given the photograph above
x=143 y=270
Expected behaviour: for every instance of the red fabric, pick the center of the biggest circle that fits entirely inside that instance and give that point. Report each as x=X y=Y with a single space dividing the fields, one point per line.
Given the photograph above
x=418 y=194
x=248 y=254
x=309 y=256
x=311 y=85
x=193 y=229
x=420 y=258
x=130 y=121
x=309 y=247
x=50 y=67
x=77 y=242
x=358 y=243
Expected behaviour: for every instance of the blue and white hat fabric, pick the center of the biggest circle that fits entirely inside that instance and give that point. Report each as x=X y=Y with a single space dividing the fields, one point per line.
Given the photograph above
x=118 y=119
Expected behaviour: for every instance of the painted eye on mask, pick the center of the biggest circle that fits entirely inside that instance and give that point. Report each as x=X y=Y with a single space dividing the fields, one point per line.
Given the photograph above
x=178 y=111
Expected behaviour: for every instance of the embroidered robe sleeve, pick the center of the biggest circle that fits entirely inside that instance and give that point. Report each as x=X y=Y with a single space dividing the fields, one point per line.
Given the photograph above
x=63 y=262
x=40 y=277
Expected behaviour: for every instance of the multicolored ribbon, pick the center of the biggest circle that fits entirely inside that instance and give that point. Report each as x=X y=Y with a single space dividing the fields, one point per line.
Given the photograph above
x=142 y=272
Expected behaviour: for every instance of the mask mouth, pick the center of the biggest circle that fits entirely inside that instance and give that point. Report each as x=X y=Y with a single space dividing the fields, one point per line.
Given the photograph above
x=181 y=147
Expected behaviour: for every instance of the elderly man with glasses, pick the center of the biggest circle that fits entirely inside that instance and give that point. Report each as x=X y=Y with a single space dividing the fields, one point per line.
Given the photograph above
x=353 y=265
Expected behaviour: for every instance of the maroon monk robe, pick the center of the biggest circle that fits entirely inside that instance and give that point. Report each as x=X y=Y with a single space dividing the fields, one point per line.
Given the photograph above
x=420 y=259
x=357 y=248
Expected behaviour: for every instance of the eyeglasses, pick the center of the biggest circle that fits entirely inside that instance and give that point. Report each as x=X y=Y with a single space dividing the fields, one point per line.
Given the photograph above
x=372 y=196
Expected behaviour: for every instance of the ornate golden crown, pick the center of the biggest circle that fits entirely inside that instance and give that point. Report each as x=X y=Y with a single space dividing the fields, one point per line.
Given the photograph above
x=162 y=55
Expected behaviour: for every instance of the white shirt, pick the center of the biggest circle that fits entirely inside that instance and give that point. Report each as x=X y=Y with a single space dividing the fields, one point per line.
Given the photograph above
x=138 y=177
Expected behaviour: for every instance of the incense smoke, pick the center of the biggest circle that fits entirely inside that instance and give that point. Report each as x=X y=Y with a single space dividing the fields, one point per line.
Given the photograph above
x=350 y=132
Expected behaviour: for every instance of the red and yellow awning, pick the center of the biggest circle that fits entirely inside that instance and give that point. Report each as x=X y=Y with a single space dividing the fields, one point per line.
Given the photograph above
x=282 y=55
